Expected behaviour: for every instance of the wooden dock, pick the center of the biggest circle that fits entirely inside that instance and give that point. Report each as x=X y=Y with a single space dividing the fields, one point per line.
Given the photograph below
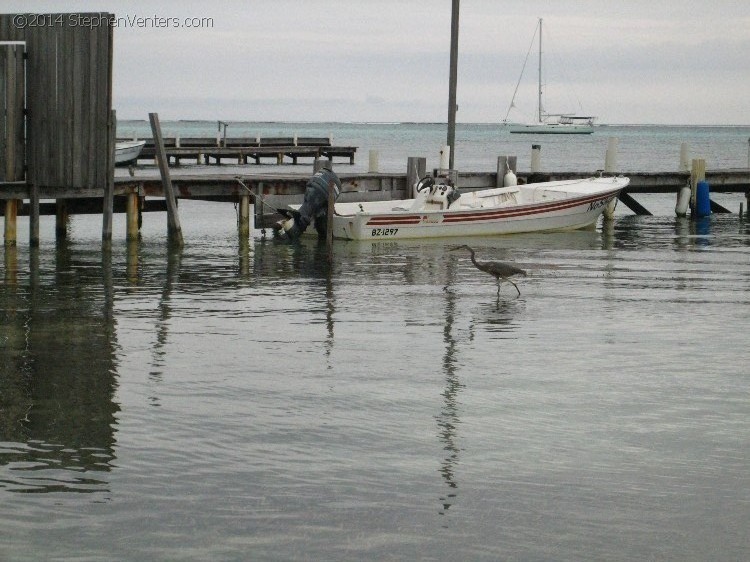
x=279 y=189
x=243 y=149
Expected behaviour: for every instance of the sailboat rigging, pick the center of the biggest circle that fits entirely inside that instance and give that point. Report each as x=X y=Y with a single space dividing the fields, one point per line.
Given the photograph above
x=548 y=123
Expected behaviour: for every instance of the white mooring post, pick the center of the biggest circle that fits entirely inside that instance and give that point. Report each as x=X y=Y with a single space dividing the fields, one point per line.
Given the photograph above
x=684 y=158
x=536 y=158
x=610 y=157
x=445 y=157
x=373 y=163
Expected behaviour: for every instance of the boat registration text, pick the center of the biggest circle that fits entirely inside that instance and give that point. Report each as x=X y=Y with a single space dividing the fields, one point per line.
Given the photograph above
x=384 y=231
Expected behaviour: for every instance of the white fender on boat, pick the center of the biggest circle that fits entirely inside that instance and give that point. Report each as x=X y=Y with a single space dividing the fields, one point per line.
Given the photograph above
x=509 y=179
x=683 y=200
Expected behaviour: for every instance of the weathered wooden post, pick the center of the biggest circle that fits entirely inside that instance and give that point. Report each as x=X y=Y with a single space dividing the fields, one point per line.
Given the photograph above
x=329 y=222
x=11 y=105
x=131 y=212
x=61 y=219
x=244 y=218
x=108 y=202
x=173 y=219
x=502 y=167
x=416 y=168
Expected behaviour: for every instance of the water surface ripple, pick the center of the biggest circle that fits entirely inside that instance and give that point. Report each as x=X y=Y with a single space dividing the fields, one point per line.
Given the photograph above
x=245 y=401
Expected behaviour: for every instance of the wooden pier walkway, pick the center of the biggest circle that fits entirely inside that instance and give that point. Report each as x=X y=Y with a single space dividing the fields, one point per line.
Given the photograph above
x=281 y=189
x=243 y=149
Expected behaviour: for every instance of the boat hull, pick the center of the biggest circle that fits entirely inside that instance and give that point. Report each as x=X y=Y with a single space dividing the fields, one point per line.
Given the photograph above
x=575 y=211
x=128 y=151
x=550 y=129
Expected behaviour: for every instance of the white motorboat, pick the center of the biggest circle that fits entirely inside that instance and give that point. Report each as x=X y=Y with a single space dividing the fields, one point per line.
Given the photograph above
x=127 y=151
x=440 y=210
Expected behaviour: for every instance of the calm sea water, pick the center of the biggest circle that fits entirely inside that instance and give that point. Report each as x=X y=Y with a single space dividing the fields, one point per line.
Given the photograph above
x=247 y=401
x=639 y=148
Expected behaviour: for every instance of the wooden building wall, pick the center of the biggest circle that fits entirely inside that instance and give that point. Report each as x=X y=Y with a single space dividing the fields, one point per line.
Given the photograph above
x=12 y=143
x=68 y=97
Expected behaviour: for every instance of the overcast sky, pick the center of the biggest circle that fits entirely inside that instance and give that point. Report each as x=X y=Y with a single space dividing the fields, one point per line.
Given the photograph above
x=630 y=61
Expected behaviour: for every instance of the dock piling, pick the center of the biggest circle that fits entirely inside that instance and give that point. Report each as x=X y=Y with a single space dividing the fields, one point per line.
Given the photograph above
x=34 y=216
x=416 y=168
x=131 y=209
x=244 y=216
x=536 y=158
x=684 y=158
x=610 y=156
x=173 y=218
x=61 y=219
x=108 y=201
x=329 y=221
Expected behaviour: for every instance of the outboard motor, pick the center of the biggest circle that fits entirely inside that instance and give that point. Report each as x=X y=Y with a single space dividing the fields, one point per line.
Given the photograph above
x=314 y=207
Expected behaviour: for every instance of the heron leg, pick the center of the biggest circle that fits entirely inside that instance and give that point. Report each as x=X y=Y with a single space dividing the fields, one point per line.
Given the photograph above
x=516 y=286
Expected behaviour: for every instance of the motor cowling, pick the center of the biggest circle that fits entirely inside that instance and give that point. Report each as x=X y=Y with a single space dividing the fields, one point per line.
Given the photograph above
x=315 y=205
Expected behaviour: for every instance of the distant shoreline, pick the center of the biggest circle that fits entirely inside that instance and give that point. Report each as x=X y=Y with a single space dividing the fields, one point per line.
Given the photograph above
x=436 y=123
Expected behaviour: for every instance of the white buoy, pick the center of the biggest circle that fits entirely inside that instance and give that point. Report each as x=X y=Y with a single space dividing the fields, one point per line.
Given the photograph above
x=445 y=158
x=373 y=164
x=683 y=200
x=536 y=158
x=509 y=179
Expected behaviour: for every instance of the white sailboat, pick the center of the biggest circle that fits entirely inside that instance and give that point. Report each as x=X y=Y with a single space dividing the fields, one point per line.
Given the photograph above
x=549 y=123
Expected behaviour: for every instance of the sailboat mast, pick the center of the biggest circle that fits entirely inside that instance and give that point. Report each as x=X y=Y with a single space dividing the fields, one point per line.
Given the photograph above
x=539 y=113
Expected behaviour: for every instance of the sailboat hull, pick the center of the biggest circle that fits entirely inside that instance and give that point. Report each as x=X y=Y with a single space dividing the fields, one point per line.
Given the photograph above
x=552 y=129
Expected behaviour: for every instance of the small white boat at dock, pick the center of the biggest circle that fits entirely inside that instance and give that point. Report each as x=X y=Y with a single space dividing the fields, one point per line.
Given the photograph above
x=127 y=151
x=440 y=211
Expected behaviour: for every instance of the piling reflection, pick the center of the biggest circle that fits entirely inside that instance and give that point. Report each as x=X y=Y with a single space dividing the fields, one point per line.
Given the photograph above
x=164 y=317
x=245 y=256
x=10 y=263
x=448 y=418
x=57 y=377
x=132 y=260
